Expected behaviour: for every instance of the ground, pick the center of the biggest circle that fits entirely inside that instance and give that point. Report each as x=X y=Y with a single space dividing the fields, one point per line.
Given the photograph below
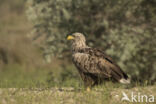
x=68 y=95
x=24 y=83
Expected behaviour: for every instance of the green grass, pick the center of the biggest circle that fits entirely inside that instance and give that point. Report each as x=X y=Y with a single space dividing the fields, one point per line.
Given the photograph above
x=16 y=76
x=56 y=86
x=104 y=95
x=23 y=83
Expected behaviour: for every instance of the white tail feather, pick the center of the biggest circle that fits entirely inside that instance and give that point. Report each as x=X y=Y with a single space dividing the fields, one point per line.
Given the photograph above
x=125 y=81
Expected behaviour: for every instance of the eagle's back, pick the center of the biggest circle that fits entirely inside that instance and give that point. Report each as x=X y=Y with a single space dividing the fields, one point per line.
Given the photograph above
x=95 y=62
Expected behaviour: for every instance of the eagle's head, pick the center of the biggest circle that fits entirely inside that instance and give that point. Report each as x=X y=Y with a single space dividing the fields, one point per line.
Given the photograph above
x=78 y=40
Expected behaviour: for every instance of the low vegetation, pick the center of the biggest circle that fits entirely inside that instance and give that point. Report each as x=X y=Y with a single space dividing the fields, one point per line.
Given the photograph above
x=26 y=78
x=103 y=95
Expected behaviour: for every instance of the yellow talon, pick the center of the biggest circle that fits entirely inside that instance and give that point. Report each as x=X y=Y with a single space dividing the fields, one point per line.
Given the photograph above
x=88 y=89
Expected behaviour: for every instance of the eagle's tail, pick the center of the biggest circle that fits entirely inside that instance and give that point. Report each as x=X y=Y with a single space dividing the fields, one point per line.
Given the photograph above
x=125 y=81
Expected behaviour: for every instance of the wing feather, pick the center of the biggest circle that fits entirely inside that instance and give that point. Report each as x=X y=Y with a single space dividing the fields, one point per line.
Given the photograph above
x=96 y=62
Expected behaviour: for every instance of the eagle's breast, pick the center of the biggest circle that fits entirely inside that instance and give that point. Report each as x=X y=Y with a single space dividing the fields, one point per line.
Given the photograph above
x=80 y=60
x=85 y=62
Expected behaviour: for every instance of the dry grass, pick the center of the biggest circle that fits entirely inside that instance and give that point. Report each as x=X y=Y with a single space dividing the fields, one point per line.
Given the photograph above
x=70 y=95
x=18 y=49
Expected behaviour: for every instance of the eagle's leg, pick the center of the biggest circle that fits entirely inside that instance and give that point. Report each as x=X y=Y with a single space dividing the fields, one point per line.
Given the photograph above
x=88 y=89
x=89 y=83
x=89 y=86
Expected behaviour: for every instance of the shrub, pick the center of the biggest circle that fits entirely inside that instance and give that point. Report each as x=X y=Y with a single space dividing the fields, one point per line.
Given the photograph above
x=124 y=28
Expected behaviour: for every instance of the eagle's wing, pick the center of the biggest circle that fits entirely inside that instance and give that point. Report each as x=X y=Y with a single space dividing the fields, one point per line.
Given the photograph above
x=96 y=62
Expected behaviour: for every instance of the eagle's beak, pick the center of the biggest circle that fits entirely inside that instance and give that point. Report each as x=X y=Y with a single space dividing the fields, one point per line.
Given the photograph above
x=70 y=37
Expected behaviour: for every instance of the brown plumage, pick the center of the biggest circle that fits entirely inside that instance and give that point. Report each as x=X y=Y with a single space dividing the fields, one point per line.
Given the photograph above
x=93 y=64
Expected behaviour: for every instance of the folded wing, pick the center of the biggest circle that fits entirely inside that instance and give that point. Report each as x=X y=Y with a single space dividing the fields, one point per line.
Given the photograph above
x=96 y=62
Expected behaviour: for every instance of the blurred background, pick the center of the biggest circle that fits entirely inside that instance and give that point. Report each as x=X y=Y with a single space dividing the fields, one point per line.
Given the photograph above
x=33 y=47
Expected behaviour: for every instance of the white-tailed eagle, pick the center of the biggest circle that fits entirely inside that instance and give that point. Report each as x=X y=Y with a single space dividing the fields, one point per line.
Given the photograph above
x=93 y=64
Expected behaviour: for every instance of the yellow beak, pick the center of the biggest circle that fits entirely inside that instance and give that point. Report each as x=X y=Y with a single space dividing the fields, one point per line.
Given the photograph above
x=70 y=37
